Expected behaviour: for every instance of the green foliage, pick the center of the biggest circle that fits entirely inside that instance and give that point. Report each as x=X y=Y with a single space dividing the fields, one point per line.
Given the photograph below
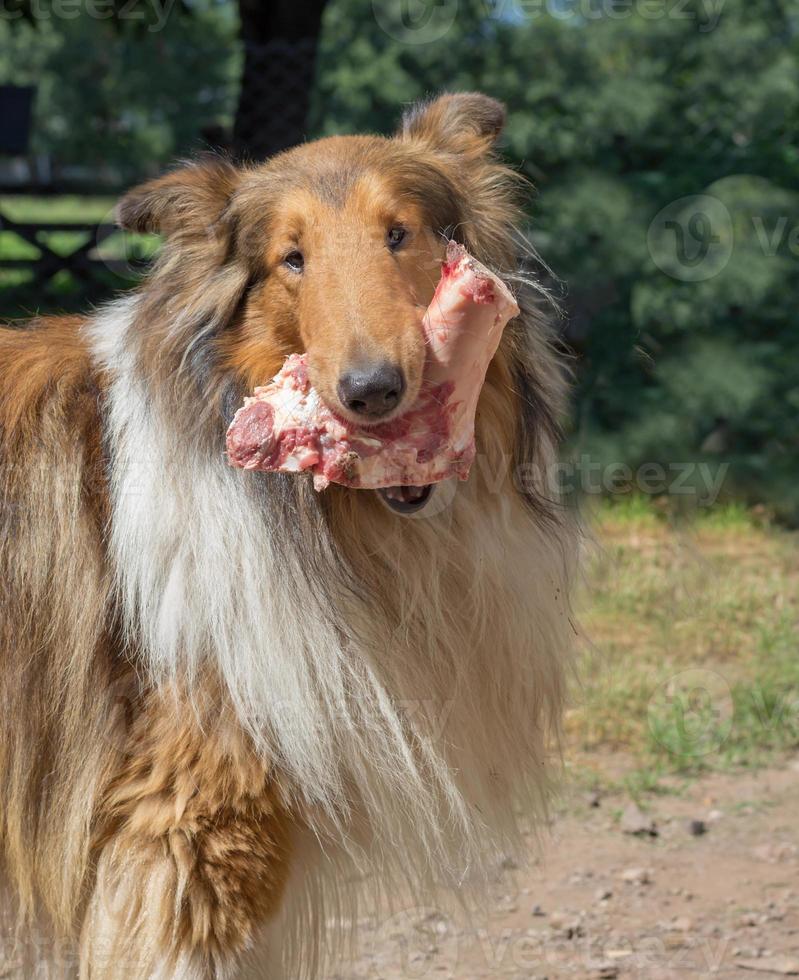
x=616 y=112
x=685 y=320
x=122 y=98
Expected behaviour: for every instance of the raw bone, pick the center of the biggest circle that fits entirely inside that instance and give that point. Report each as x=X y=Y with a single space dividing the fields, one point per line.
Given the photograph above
x=286 y=426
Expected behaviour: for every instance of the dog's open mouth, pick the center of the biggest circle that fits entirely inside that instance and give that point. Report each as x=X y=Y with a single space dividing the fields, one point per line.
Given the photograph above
x=407 y=500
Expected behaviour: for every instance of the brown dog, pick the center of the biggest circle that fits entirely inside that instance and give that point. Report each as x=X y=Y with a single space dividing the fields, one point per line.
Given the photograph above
x=225 y=695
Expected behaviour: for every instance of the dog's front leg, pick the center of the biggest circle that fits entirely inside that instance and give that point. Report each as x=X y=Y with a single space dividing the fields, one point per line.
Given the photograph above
x=192 y=850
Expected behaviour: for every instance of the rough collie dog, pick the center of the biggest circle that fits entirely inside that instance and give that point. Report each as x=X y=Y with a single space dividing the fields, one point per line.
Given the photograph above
x=231 y=704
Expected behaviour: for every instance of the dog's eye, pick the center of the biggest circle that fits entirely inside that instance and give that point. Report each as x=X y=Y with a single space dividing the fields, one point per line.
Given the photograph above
x=395 y=237
x=295 y=261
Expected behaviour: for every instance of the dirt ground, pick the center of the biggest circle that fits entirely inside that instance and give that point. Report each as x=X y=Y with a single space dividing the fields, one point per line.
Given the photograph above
x=708 y=887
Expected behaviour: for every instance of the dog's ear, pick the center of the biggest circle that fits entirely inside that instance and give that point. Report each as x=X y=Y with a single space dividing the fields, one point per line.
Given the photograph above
x=463 y=122
x=190 y=199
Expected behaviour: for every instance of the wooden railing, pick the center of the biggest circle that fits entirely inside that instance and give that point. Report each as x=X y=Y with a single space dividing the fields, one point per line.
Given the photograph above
x=80 y=262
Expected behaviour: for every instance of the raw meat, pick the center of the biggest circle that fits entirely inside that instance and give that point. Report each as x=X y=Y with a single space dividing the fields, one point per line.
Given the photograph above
x=286 y=426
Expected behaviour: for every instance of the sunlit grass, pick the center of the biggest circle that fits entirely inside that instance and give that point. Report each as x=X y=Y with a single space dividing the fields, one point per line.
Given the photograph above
x=694 y=630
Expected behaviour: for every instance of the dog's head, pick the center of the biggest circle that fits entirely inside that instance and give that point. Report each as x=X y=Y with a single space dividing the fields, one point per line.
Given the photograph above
x=333 y=248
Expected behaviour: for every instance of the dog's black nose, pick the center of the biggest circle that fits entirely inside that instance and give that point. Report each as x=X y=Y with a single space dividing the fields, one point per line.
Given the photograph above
x=372 y=391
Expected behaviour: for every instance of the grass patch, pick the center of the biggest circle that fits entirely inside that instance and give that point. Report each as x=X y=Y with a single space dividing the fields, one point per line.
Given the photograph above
x=694 y=663
x=63 y=207
x=26 y=209
x=120 y=255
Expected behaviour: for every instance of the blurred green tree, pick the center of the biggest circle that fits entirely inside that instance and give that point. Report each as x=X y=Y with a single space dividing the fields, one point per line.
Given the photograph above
x=120 y=98
x=663 y=141
x=662 y=137
x=147 y=80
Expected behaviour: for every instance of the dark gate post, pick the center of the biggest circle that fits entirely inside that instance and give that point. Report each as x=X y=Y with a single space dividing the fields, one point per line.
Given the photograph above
x=16 y=106
x=280 y=40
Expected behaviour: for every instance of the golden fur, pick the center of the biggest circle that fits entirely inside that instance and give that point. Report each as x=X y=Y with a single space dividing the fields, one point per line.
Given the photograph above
x=225 y=695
